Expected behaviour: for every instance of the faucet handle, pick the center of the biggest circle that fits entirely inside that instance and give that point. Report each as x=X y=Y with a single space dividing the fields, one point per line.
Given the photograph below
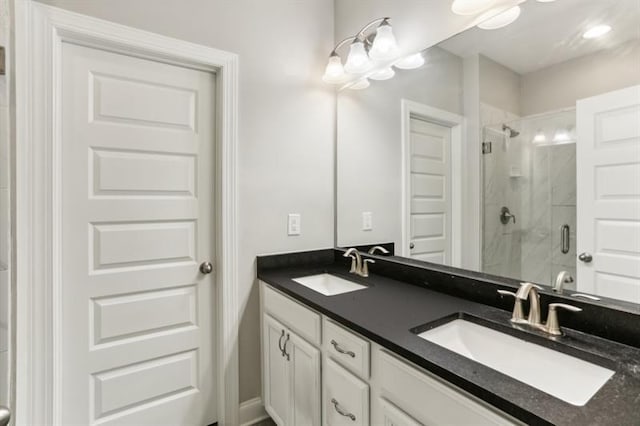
x=518 y=315
x=553 y=325
x=365 y=266
x=353 y=262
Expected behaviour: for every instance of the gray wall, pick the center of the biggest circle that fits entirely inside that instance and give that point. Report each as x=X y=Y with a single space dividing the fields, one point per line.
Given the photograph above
x=286 y=123
x=499 y=86
x=559 y=86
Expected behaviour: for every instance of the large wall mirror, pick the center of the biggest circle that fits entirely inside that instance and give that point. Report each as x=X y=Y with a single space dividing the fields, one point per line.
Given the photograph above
x=513 y=151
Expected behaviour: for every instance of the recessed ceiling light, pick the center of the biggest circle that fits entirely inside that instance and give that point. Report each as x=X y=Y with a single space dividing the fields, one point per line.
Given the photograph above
x=597 y=31
x=502 y=19
x=470 y=7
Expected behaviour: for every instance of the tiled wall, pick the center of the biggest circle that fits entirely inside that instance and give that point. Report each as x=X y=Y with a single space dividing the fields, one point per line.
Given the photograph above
x=5 y=224
x=500 y=243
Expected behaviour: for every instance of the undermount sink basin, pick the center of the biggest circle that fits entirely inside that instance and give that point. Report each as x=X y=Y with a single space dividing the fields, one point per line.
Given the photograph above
x=568 y=378
x=328 y=284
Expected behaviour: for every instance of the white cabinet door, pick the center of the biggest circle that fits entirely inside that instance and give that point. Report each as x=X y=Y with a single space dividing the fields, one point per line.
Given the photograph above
x=304 y=373
x=608 y=188
x=276 y=371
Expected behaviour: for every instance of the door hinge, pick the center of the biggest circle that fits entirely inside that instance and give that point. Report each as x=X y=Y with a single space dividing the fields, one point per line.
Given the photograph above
x=486 y=147
x=2 y=61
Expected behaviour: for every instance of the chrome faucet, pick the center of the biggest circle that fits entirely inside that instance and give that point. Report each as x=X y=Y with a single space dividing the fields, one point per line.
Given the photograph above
x=359 y=266
x=356 y=261
x=381 y=249
x=562 y=278
x=530 y=291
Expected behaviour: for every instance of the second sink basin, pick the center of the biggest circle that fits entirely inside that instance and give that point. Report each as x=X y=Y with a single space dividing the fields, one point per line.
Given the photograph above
x=563 y=376
x=328 y=284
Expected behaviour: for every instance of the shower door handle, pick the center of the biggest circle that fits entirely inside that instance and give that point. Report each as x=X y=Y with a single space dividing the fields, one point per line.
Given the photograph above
x=564 y=238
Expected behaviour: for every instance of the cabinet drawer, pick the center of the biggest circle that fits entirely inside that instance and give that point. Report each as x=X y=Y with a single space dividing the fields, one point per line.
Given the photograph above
x=427 y=399
x=348 y=349
x=345 y=397
x=298 y=318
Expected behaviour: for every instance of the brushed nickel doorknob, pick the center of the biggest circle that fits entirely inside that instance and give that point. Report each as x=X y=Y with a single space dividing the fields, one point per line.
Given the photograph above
x=206 y=267
x=585 y=257
x=411 y=245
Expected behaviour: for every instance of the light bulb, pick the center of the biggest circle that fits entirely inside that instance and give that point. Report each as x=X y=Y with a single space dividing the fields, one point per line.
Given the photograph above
x=360 y=84
x=410 y=62
x=561 y=135
x=358 y=60
x=502 y=19
x=384 y=45
x=597 y=31
x=383 y=74
x=470 y=7
x=539 y=137
x=334 y=73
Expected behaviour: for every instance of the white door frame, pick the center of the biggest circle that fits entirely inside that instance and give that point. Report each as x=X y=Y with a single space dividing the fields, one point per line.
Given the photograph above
x=40 y=32
x=457 y=124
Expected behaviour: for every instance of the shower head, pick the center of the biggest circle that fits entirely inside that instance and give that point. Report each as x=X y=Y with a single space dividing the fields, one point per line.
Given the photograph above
x=512 y=132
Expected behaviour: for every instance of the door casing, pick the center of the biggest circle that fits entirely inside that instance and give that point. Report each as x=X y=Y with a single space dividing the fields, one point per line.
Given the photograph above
x=40 y=32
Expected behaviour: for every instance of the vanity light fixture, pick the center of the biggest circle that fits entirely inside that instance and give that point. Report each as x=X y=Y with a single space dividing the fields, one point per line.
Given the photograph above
x=410 y=62
x=540 y=137
x=383 y=74
x=367 y=49
x=358 y=60
x=561 y=136
x=502 y=19
x=597 y=31
x=360 y=84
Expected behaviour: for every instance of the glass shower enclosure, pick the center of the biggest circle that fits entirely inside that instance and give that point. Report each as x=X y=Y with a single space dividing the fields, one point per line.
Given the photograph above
x=529 y=197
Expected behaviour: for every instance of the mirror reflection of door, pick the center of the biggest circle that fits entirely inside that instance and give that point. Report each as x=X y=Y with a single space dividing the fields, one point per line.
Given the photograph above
x=608 y=188
x=430 y=191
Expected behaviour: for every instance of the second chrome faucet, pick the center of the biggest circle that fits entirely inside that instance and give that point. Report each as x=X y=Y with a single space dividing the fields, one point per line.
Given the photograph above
x=530 y=291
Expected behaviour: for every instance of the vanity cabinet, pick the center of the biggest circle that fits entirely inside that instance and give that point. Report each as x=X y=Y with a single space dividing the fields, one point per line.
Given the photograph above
x=316 y=371
x=290 y=364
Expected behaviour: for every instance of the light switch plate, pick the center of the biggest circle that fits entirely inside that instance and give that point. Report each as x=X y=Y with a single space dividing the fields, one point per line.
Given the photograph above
x=367 y=221
x=293 y=224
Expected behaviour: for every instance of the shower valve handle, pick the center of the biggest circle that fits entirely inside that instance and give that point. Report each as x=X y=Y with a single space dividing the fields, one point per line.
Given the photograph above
x=506 y=216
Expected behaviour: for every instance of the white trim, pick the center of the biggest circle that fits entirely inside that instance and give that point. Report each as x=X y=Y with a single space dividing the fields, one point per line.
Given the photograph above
x=40 y=31
x=457 y=124
x=252 y=411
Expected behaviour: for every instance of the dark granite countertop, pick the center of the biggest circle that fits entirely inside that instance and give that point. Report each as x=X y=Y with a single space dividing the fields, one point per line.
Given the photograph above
x=388 y=310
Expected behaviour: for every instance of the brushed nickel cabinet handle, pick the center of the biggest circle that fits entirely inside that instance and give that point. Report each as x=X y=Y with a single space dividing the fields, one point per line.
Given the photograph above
x=280 y=343
x=342 y=351
x=341 y=411
x=284 y=347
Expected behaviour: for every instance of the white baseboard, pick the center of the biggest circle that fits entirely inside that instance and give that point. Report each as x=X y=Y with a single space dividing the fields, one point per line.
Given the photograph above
x=252 y=411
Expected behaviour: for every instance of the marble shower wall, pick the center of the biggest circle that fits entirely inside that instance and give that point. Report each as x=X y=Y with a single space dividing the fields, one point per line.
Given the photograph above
x=500 y=243
x=536 y=181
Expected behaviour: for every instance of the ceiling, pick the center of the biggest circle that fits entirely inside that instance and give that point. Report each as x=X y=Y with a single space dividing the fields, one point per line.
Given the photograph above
x=549 y=33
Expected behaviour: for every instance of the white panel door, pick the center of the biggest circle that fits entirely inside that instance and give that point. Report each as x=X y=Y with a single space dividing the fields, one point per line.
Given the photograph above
x=608 y=189
x=138 y=329
x=430 y=192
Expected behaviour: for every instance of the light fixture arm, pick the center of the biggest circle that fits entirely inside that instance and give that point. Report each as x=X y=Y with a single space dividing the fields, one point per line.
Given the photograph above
x=359 y=35
x=364 y=29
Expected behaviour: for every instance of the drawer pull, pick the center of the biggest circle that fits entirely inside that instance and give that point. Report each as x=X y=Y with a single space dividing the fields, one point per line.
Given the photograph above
x=342 y=351
x=280 y=343
x=341 y=411
x=284 y=347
